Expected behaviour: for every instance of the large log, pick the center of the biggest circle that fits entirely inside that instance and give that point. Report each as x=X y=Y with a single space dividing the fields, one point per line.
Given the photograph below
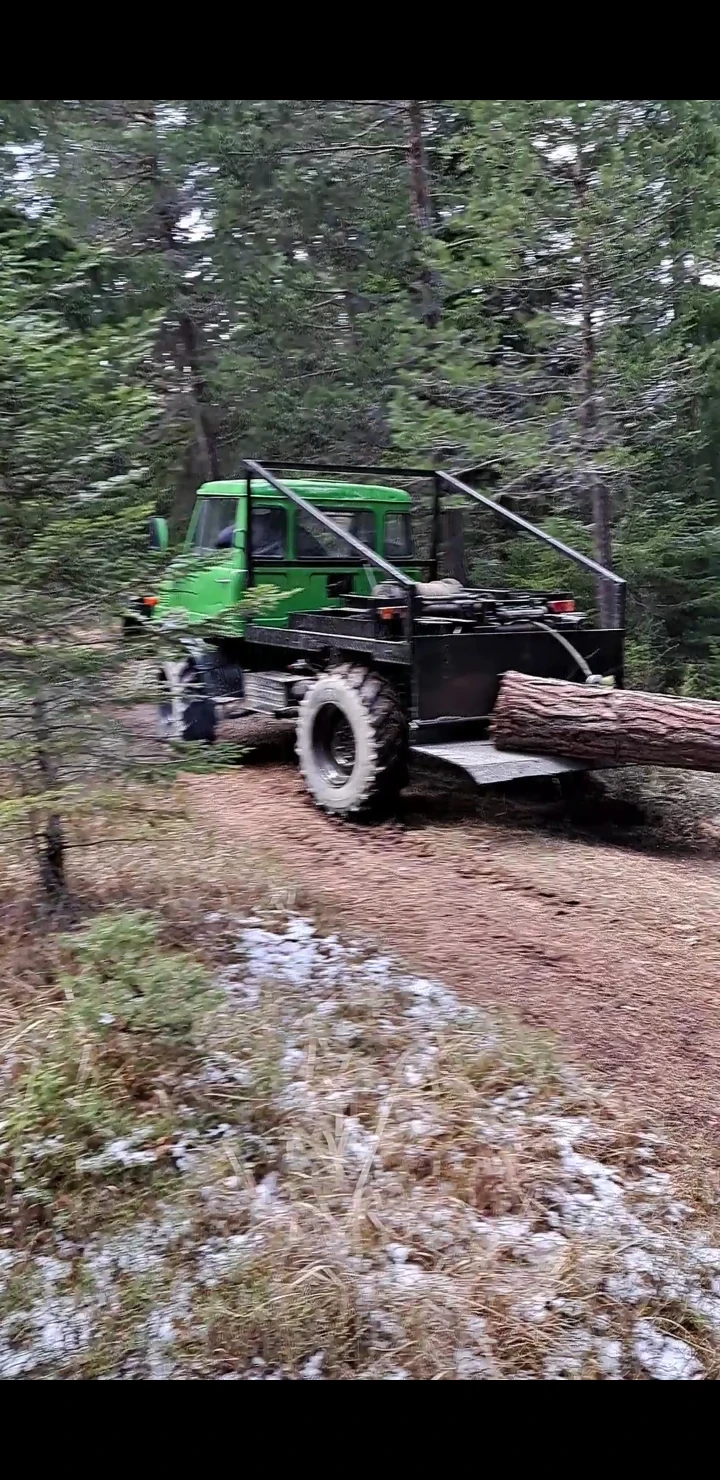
x=610 y=727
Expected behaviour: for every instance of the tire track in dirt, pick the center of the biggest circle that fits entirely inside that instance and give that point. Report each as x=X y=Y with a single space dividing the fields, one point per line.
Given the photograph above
x=617 y=953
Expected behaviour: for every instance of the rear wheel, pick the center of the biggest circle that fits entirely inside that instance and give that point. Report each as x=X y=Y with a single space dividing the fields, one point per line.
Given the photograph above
x=185 y=713
x=352 y=740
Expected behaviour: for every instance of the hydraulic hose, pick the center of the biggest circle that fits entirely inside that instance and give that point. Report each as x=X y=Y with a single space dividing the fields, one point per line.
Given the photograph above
x=582 y=664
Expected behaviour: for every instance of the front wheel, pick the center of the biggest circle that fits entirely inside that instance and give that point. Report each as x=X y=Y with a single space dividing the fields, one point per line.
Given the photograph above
x=185 y=713
x=352 y=740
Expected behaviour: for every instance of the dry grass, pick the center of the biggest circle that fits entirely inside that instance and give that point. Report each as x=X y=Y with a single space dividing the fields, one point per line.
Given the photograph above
x=341 y=1172
x=674 y=811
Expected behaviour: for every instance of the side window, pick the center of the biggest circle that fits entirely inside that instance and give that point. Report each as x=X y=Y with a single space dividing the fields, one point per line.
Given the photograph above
x=314 y=542
x=362 y=525
x=398 y=537
x=215 y=528
x=269 y=534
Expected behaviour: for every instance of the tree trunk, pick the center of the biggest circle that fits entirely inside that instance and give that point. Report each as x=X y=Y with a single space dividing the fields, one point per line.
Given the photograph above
x=589 y=413
x=452 y=544
x=48 y=835
x=206 y=439
x=422 y=208
x=611 y=727
x=167 y=214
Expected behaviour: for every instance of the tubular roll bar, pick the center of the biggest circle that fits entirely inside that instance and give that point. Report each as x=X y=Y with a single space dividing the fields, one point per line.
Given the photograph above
x=441 y=482
x=620 y=586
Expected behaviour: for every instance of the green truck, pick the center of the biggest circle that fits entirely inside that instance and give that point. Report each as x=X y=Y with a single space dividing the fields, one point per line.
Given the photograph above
x=371 y=651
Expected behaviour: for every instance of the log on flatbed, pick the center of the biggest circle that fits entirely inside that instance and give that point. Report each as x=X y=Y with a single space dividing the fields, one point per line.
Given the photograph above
x=608 y=727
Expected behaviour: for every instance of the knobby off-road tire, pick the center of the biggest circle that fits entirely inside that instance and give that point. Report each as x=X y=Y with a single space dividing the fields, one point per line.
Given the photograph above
x=352 y=741
x=185 y=714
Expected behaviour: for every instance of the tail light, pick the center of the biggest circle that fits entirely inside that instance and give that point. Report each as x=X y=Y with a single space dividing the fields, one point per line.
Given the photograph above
x=561 y=608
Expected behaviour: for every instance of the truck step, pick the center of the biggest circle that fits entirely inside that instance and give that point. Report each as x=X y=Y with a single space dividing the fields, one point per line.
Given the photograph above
x=271 y=693
x=491 y=767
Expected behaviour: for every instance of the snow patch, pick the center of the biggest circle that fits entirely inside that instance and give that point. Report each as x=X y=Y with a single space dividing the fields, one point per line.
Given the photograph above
x=372 y=1128
x=663 y=1357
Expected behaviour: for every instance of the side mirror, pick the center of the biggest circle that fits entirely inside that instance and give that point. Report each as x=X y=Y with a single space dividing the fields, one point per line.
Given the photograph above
x=159 y=535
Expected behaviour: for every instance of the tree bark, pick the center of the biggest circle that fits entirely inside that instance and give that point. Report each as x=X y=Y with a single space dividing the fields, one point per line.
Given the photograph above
x=452 y=545
x=422 y=208
x=204 y=431
x=167 y=215
x=609 y=727
x=48 y=834
x=589 y=411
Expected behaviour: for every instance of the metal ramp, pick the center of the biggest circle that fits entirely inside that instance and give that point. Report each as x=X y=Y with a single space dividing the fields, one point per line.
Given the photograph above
x=491 y=767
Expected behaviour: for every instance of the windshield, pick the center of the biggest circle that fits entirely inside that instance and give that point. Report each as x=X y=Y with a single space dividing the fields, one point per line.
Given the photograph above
x=215 y=526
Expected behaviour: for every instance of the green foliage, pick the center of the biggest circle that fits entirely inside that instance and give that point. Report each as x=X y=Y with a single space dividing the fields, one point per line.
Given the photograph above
x=270 y=238
x=122 y=982
x=559 y=216
x=131 y=1011
x=511 y=561
x=64 y=1111
x=76 y=407
x=184 y=282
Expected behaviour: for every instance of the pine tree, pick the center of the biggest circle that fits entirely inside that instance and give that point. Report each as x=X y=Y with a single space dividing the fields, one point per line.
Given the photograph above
x=528 y=286
x=273 y=240
x=316 y=249
x=561 y=362
x=74 y=416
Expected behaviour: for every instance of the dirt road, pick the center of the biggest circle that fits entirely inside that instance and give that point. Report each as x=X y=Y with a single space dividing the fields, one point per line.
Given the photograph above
x=616 y=952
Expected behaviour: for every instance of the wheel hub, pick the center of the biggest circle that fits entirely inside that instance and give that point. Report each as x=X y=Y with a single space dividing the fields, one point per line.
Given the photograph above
x=334 y=745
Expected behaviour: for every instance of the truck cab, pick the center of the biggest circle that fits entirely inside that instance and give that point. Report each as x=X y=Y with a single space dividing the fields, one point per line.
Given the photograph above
x=236 y=543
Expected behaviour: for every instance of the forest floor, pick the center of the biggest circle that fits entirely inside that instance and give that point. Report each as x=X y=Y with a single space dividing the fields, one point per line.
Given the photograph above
x=599 y=925
x=429 y=1098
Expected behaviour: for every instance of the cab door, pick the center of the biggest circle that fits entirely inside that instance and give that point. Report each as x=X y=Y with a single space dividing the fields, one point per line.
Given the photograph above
x=209 y=578
x=311 y=573
x=328 y=570
x=270 y=560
